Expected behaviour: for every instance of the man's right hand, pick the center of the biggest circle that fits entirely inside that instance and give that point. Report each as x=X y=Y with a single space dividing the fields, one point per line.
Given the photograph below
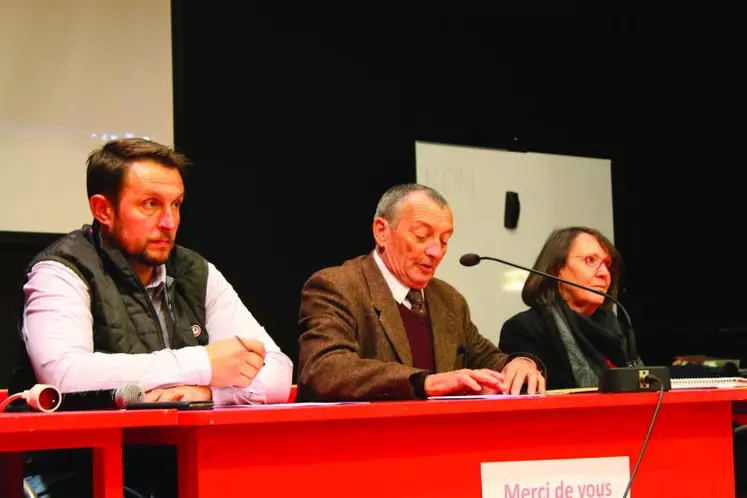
x=235 y=362
x=462 y=382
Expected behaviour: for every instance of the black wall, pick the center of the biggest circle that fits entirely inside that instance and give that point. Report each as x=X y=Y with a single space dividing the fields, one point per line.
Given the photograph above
x=16 y=250
x=297 y=125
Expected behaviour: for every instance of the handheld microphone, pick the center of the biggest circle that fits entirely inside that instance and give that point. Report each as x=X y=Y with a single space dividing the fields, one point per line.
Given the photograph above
x=632 y=378
x=102 y=400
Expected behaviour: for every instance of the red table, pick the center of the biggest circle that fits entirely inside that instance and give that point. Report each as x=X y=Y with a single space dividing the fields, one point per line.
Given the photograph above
x=100 y=430
x=434 y=448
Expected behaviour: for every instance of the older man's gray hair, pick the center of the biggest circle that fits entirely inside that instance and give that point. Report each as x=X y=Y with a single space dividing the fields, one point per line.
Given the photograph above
x=390 y=203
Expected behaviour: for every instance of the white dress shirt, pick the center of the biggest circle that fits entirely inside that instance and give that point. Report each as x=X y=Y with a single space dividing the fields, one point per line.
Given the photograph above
x=399 y=290
x=58 y=331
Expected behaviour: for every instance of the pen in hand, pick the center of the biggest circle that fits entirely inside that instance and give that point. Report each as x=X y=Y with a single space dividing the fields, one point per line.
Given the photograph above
x=241 y=341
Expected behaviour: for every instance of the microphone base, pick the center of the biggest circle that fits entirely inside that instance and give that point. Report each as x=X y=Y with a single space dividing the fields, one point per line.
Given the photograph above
x=633 y=380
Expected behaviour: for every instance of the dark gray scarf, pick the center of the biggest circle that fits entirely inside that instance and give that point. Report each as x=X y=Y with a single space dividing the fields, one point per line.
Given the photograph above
x=591 y=341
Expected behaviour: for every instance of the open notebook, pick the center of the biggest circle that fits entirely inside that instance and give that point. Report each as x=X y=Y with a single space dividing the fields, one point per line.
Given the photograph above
x=706 y=383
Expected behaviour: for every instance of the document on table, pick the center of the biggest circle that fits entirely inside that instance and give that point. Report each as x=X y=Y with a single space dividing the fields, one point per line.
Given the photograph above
x=488 y=396
x=573 y=390
x=294 y=405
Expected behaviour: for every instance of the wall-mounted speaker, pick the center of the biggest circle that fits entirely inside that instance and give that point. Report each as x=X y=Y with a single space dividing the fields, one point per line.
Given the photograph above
x=513 y=207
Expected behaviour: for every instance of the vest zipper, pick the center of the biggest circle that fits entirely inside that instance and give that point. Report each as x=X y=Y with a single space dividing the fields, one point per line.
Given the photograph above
x=154 y=315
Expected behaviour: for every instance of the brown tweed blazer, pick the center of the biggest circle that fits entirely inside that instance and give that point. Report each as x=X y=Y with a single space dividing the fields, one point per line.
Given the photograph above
x=353 y=344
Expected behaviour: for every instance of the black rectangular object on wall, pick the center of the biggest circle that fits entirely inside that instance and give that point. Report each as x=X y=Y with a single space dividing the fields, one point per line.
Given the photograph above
x=511 y=213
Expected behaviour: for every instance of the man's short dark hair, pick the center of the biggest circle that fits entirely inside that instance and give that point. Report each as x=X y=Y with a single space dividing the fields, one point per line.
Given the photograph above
x=106 y=167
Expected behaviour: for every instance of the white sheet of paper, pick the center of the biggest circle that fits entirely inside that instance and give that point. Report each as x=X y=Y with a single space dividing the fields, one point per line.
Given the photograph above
x=294 y=405
x=489 y=396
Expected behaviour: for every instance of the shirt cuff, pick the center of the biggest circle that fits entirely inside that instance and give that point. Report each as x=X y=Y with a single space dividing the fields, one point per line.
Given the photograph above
x=195 y=365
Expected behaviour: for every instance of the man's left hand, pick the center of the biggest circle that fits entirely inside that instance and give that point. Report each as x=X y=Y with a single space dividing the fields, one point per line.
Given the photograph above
x=180 y=393
x=519 y=371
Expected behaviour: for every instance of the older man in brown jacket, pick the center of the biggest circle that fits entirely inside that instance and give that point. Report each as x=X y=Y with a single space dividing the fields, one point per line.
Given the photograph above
x=381 y=327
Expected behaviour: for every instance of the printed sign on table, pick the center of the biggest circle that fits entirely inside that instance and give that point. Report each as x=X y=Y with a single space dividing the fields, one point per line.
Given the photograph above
x=568 y=478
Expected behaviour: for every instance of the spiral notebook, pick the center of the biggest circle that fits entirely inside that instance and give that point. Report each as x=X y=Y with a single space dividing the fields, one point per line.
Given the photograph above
x=707 y=383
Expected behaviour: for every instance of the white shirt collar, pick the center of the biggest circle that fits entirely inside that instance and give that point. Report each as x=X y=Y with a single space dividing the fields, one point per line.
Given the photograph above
x=399 y=290
x=159 y=277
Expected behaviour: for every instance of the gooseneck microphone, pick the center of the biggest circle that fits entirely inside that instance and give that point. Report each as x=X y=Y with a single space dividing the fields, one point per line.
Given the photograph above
x=632 y=378
x=102 y=400
x=631 y=353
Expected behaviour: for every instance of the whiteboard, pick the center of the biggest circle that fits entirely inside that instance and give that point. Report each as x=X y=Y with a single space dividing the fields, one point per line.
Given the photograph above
x=554 y=191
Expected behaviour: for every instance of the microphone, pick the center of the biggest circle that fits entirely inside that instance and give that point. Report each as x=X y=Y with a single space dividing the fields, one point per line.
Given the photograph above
x=632 y=378
x=102 y=400
x=632 y=356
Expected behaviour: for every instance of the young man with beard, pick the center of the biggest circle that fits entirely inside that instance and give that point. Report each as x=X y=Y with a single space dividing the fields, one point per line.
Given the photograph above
x=118 y=302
